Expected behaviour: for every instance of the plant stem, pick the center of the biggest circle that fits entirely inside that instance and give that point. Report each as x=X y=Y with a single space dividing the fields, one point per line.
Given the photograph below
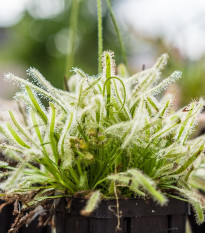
x=108 y=85
x=72 y=37
x=117 y=31
x=100 y=36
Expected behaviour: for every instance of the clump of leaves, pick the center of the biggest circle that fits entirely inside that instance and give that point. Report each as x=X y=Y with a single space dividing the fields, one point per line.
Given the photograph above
x=112 y=137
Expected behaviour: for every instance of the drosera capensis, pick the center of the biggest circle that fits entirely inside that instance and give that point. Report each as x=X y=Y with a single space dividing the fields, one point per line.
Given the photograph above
x=112 y=137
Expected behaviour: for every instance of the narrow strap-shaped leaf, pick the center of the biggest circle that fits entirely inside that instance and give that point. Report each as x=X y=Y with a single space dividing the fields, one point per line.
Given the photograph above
x=37 y=200
x=55 y=170
x=134 y=186
x=165 y=131
x=4 y=165
x=43 y=83
x=38 y=89
x=139 y=85
x=18 y=126
x=151 y=101
x=98 y=112
x=79 y=72
x=74 y=175
x=14 y=177
x=36 y=105
x=12 y=148
x=173 y=151
x=37 y=129
x=195 y=200
x=198 y=210
x=121 y=177
x=92 y=203
x=189 y=161
x=23 y=113
x=125 y=114
x=189 y=127
x=147 y=184
x=37 y=76
x=183 y=125
x=138 y=123
x=80 y=90
x=108 y=71
x=124 y=90
x=61 y=142
x=161 y=61
x=147 y=78
x=165 y=107
x=137 y=77
x=165 y=83
x=82 y=133
x=91 y=85
x=189 y=173
x=16 y=137
x=51 y=132
x=191 y=117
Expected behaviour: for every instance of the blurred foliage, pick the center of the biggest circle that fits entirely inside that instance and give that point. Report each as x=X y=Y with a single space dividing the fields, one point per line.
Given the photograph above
x=43 y=43
x=193 y=81
x=191 y=85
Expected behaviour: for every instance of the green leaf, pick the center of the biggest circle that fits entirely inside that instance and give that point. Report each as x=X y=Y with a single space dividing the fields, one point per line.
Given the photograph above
x=92 y=203
x=148 y=185
x=14 y=134
x=189 y=161
x=165 y=83
x=107 y=57
x=37 y=129
x=61 y=143
x=124 y=91
x=198 y=211
x=36 y=105
x=51 y=133
x=19 y=127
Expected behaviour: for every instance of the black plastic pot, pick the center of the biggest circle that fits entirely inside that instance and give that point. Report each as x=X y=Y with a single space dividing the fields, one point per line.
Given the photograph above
x=7 y=219
x=137 y=216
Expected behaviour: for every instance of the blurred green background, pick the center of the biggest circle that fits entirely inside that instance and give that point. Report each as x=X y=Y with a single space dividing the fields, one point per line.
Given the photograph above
x=38 y=36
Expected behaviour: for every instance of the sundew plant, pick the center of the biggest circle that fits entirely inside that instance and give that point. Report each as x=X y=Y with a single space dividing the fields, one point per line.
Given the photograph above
x=111 y=137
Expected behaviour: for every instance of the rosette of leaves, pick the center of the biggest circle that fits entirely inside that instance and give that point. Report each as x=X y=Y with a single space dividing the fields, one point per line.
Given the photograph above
x=112 y=137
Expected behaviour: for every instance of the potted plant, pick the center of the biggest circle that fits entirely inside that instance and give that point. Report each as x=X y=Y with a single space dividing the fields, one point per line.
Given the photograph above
x=105 y=150
x=107 y=155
